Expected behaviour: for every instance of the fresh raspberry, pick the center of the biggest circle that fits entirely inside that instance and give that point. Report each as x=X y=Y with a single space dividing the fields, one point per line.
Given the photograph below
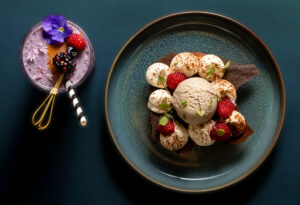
x=220 y=132
x=225 y=107
x=167 y=129
x=174 y=79
x=77 y=41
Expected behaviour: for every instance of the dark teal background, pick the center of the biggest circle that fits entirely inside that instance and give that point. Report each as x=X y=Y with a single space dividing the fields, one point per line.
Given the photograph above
x=68 y=164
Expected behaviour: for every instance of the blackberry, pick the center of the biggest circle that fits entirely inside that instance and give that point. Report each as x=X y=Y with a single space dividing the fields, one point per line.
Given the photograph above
x=64 y=63
x=72 y=52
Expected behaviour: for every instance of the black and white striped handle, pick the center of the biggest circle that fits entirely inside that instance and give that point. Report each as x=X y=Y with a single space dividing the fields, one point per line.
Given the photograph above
x=76 y=104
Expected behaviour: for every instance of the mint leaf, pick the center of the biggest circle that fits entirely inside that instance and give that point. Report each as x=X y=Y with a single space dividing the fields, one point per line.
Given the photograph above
x=200 y=112
x=184 y=105
x=210 y=71
x=161 y=80
x=226 y=66
x=169 y=116
x=220 y=132
x=210 y=103
x=164 y=121
x=164 y=106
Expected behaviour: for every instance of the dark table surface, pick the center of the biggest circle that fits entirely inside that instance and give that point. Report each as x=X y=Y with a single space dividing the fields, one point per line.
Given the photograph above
x=68 y=164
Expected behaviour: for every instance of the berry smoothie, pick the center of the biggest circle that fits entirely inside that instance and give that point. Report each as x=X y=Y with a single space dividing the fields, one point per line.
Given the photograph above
x=36 y=59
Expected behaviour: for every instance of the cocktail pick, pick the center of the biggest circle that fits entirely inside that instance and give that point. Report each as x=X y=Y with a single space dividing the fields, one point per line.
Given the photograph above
x=39 y=116
x=76 y=104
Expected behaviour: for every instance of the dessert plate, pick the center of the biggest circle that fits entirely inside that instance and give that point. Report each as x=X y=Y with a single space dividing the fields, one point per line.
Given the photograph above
x=262 y=101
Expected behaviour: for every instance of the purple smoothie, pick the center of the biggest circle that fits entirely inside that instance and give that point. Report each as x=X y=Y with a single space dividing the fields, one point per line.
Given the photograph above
x=35 y=60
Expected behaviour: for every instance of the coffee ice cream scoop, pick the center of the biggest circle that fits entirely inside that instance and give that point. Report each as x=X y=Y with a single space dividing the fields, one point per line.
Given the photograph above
x=195 y=100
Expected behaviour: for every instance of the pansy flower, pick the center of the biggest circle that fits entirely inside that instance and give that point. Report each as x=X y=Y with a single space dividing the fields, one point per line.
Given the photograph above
x=56 y=29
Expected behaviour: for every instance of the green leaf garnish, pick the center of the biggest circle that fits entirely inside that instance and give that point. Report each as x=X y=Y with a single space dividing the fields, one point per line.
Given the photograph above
x=184 y=116
x=164 y=106
x=176 y=63
x=210 y=103
x=210 y=71
x=200 y=112
x=184 y=104
x=226 y=66
x=220 y=132
x=169 y=116
x=218 y=97
x=164 y=121
x=161 y=80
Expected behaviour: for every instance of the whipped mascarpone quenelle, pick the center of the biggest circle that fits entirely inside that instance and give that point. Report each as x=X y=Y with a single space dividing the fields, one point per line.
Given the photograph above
x=177 y=139
x=160 y=101
x=157 y=74
x=224 y=89
x=236 y=122
x=186 y=63
x=200 y=134
x=211 y=67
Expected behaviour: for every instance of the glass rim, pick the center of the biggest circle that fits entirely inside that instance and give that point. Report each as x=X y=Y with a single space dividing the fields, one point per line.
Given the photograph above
x=83 y=79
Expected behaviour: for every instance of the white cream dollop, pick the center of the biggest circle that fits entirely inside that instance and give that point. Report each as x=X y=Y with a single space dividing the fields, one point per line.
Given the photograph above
x=160 y=101
x=224 y=89
x=200 y=134
x=215 y=64
x=177 y=139
x=186 y=63
x=236 y=122
x=157 y=74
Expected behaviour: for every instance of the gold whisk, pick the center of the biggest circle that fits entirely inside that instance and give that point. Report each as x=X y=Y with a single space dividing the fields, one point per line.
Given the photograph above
x=39 y=123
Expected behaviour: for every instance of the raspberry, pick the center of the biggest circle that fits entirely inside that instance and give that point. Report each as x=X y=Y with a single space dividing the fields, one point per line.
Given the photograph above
x=167 y=129
x=220 y=132
x=174 y=79
x=77 y=41
x=225 y=108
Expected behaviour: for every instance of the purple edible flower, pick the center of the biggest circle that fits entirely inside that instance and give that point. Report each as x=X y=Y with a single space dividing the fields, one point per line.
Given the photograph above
x=56 y=29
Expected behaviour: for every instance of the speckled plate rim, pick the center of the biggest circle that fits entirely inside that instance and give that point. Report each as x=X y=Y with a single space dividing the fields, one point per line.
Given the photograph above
x=208 y=14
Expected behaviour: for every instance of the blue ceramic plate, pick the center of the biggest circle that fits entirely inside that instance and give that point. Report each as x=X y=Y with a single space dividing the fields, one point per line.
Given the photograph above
x=262 y=101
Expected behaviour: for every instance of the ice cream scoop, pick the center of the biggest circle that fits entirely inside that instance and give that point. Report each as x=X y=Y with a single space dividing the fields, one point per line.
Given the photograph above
x=200 y=134
x=236 y=123
x=224 y=89
x=157 y=74
x=195 y=100
x=177 y=139
x=160 y=101
x=211 y=67
x=186 y=63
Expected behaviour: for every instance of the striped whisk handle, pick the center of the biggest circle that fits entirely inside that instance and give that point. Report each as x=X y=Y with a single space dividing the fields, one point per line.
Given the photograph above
x=76 y=104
